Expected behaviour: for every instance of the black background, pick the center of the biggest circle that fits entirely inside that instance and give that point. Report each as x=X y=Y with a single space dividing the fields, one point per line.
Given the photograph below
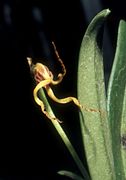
x=30 y=146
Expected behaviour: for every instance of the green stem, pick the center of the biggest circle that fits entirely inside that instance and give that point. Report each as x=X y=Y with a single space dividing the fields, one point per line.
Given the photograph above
x=64 y=137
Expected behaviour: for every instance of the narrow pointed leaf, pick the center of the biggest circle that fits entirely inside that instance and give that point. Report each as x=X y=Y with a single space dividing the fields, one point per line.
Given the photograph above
x=91 y=93
x=117 y=103
x=70 y=175
x=123 y=135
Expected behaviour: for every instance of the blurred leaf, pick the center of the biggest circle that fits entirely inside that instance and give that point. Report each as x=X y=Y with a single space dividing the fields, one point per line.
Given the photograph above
x=91 y=92
x=70 y=175
x=117 y=103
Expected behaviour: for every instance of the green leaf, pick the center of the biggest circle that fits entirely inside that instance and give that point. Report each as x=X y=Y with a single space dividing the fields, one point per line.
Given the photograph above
x=117 y=103
x=91 y=93
x=123 y=135
x=70 y=175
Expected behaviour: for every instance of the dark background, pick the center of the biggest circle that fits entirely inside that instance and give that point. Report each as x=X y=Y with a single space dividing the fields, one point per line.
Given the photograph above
x=29 y=144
